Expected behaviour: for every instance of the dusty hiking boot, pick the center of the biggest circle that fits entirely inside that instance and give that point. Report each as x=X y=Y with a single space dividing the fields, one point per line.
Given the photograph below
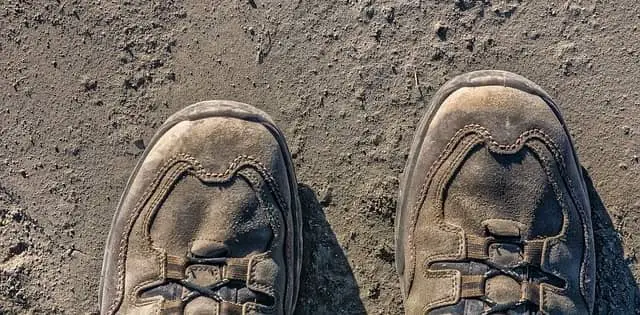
x=493 y=214
x=209 y=222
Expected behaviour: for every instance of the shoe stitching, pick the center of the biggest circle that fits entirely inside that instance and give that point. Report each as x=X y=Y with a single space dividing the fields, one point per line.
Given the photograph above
x=582 y=212
x=237 y=164
x=453 y=163
x=123 y=244
x=543 y=292
x=497 y=148
x=161 y=193
x=157 y=196
x=461 y=153
x=560 y=197
x=252 y=308
x=257 y=184
x=582 y=216
x=286 y=215
x=160 y=196
x=161 y=174
x=414 y=211
x=453 y=295
x=275 y=222
x=453 y=142
x=559 y=291
x=252 y=272
x=453 y=276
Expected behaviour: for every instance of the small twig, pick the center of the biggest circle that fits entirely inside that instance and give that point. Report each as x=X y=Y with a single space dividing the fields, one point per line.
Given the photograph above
x=415 y=78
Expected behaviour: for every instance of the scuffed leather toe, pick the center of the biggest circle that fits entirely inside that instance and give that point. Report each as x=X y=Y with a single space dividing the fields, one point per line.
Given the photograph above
x=493 y=213
x=209 y=221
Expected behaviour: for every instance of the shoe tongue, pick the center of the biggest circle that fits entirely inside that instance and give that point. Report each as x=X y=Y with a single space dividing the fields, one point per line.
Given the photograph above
x=502 y=288
x=235 y=296
x=201 y=305
x=206 y=275
x=208 y=248
x=503 y=228
x=238 y=295
x=508 y=254
x=505 y=254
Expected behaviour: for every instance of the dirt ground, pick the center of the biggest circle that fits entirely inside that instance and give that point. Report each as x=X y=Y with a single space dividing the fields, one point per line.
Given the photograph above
x=84 y=85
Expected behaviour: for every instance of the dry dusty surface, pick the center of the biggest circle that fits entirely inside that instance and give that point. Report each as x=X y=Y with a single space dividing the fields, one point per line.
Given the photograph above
x=84 y=84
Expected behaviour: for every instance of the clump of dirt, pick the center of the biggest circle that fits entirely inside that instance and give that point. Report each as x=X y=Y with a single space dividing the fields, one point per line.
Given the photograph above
x=381 y=199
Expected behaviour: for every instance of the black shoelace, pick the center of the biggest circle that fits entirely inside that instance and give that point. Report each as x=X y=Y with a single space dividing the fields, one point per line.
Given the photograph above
x=520 y=273
x=523 y=273
x=209 y=291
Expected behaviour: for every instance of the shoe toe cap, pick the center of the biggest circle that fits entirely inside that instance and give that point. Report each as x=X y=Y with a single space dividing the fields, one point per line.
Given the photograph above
x=505 y=112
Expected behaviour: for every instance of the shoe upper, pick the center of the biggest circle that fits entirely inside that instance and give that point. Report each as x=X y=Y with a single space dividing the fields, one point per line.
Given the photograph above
x=204 y=226
x=493 y=216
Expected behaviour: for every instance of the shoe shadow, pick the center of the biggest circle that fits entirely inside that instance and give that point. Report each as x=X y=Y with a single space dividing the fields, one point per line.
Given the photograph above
x=616 y=289
x=327 y=284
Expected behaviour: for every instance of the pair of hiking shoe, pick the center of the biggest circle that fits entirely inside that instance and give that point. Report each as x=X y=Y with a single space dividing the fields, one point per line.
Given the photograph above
x=493 y=215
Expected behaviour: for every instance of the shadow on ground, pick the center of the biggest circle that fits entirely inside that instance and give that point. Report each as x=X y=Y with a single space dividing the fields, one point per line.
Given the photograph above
x=329 y=287
x=327 y=282
x=616 y=290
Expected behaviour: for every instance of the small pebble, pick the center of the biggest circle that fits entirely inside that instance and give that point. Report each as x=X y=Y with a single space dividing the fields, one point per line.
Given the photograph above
x=377 y=139
x=88 y=84
x=441 y=30
x=139 y=143
x=369 y=12
x=389 y=14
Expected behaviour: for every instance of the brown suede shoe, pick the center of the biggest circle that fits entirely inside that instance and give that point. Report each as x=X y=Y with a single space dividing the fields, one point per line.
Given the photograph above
x=493 y=214
x=209 y=222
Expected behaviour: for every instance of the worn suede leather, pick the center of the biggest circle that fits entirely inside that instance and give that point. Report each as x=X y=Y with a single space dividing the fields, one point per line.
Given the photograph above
x=209 y=187
x=494 y=164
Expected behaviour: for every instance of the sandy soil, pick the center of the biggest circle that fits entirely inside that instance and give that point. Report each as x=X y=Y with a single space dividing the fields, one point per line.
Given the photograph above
x=84 y=84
